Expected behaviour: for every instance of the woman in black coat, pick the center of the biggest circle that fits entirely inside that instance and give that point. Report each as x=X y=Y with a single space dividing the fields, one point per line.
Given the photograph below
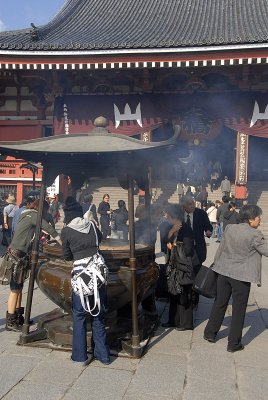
x=105 y=212
x=120 y=217
x=180 y=308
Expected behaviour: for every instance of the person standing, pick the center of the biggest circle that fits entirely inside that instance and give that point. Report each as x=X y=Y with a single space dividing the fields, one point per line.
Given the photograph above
x=105 y=212
x=120 y=218
x=180 y=191
x=238 y=263
x=89 y=209
x=226 y=187
x=230 y=216
x=80 y=239
x=20 y=247
x=53 y=208
x=198 y=220
x=23 y=206
x=181 y=306
x=8 y=213
x=214 y=176
x=202 y=197
x=220 y=213
x=212 y=216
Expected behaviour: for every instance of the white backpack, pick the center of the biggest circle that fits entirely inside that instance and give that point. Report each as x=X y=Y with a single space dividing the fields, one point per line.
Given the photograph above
x=88 y=276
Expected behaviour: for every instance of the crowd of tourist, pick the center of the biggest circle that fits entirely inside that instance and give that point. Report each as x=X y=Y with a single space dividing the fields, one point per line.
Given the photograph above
x=185 y=225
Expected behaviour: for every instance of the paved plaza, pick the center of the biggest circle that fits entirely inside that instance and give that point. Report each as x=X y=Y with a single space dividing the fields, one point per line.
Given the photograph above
x=177 y=365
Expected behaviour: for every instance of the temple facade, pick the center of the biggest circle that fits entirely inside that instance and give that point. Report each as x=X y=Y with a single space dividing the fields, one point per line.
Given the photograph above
x=150 y=67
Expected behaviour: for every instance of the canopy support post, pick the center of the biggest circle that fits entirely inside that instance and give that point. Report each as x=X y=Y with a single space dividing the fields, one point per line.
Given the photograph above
x=26 y=336
x=133 y=347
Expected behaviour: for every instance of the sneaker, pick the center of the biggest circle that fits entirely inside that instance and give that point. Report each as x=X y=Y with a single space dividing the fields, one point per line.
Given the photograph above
x=105 y=362
x=82 y=363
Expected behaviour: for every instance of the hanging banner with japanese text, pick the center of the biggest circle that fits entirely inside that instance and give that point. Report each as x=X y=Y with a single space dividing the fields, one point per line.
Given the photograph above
x=241 y=158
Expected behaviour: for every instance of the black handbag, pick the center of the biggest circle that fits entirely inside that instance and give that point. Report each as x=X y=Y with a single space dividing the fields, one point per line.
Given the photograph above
x=205 y=282
x=179 y=270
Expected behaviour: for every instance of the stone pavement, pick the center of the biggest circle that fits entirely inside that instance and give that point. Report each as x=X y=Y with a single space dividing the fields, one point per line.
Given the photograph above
x=177 y=365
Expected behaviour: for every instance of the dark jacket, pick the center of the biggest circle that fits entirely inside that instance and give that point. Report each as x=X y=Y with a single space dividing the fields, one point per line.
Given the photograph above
x=230 y=217
x=201 y=224
x=120 y=217
x=79 y=239
x=103 y=208
x=186 y=236
x=221 y=211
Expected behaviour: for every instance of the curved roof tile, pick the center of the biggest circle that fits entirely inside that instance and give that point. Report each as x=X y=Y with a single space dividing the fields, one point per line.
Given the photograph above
x=95 y=24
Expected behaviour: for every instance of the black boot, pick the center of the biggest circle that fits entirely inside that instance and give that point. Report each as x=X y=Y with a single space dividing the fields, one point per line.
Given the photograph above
x=20 y=317
x=11 y=323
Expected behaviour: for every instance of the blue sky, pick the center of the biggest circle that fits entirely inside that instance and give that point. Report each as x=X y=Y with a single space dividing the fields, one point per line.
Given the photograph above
x=18 y=14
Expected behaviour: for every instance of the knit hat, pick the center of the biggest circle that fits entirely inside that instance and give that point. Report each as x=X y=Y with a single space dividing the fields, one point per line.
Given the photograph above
x=11 y=199
x=72 y=209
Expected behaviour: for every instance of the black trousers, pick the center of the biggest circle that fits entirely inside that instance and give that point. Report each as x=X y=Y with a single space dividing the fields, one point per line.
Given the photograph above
x=105 y=226
x=227 y=287
x=181 y=309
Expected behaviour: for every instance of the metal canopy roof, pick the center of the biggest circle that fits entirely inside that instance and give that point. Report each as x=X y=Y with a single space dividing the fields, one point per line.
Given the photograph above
x=77 y=144
x=96 y=154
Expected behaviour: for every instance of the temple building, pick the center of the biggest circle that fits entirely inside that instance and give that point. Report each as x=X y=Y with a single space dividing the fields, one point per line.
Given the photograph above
x=150 y=67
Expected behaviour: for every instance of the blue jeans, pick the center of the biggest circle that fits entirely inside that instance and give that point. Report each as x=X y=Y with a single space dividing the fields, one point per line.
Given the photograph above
x=220 y=231
x=99 y=345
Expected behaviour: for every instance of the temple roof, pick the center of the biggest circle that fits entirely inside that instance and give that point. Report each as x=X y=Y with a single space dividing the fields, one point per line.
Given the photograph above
x=145 y=24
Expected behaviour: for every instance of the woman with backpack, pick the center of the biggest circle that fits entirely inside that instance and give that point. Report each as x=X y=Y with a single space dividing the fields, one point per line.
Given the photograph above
x=80 y=238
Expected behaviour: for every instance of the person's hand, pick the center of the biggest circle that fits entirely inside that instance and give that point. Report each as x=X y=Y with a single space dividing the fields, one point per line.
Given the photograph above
x=175 y=228
x=169 y=245
x=5 y=225
x=109 y=212
x=208 y=234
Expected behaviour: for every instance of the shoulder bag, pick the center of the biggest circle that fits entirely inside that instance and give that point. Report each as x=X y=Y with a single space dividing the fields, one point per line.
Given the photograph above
x=205 y=282
x=13 y=267
x=179 y=270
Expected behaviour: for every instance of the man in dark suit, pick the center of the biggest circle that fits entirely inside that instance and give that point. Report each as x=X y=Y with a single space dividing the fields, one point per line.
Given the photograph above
x=200 y=224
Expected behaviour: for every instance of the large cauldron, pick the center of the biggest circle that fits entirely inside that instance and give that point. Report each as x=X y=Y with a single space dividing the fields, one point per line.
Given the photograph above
x=53 y=274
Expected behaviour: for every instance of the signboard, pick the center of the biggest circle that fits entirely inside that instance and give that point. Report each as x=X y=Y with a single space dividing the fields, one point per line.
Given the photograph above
x=241 y=158
x=54 y=188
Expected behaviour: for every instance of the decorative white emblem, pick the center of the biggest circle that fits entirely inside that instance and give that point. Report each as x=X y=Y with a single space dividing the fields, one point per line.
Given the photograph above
x=257 y=115
x=127 y=116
